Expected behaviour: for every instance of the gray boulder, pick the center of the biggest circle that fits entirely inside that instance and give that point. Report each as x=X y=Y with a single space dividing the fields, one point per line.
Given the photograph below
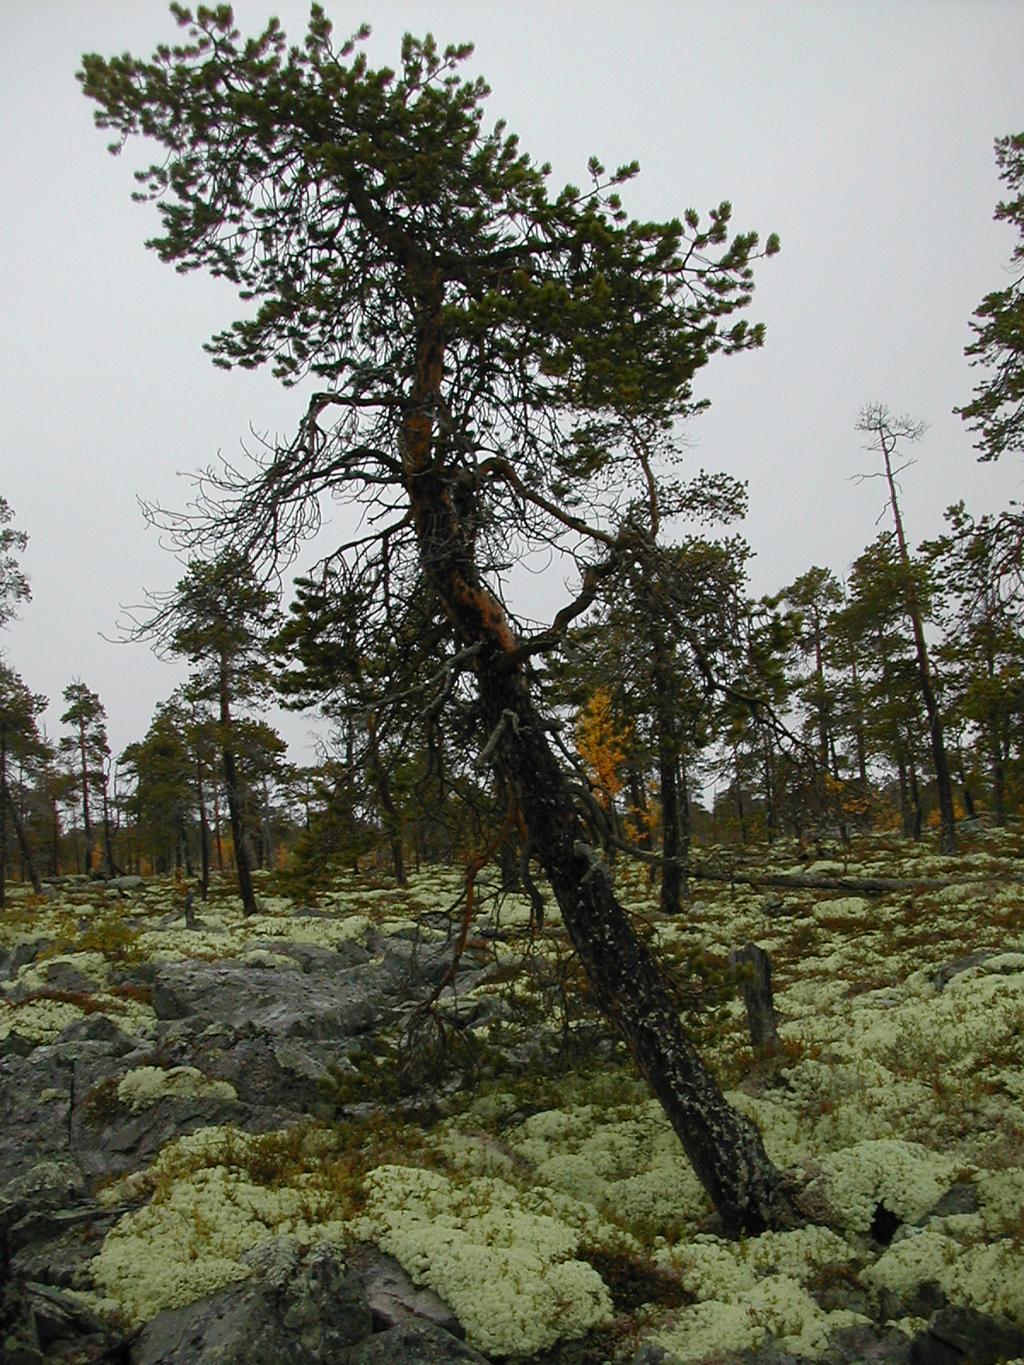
x=963 y=1336
x=286 y=1002
x=109 y=1138
x=266 y=1071
x=126 y=883
x=35 y=1099
x=54 y=1246
x=42 y=1324
x=393 y=1297
x=945 y=974
x=298 y=1309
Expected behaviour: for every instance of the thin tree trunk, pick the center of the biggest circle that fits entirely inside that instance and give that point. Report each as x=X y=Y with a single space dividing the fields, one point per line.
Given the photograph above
x=204 y=833
x=216 y=831
x=685 y=824
x=769 y=790
x=55 y=838
x=265 y=826
x=915 y=797
x=906 y=807
x=86 y=819
x=671 y=877
x=638 y=803
x=392 y=818
x=108 y=847
x=185 y=849
x=860 y=743
x=24 y=845
x=233 y=794
x=944 y=785
x=997 y=764
x=741 y=812
x=4 y=802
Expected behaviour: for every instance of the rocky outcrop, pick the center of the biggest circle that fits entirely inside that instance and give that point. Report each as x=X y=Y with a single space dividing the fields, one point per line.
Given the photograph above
x=297 y=1309
x=264 y=1042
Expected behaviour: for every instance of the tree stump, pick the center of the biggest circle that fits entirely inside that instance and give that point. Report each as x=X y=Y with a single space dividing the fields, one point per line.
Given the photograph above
x=757 y=995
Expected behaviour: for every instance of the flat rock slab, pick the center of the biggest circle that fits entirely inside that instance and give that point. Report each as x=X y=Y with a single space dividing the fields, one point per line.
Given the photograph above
x=55 y=1247
x=121 y=1140
x=287 y=1003
x=394 y=1299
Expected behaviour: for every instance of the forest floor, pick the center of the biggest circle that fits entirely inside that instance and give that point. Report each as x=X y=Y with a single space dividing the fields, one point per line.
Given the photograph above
x=501 y=1147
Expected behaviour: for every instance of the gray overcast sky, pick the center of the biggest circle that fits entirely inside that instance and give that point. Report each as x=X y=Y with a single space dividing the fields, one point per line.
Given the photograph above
x=861 y=131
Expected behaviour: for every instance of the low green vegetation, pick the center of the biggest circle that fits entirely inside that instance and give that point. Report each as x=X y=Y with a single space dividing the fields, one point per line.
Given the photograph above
x=523 y=1171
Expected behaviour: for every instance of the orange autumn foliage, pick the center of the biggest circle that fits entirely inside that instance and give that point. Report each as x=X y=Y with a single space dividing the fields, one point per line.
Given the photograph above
x=601 y=741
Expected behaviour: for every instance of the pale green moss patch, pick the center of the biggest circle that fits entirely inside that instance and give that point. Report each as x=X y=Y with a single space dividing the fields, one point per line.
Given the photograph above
x=91 y=965
x=37 y=1021
x=146 y=1085
x=502 y=1260
x=904 y=1177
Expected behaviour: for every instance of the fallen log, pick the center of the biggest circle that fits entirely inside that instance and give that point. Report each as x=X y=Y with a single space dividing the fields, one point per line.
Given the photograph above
x=800 y=881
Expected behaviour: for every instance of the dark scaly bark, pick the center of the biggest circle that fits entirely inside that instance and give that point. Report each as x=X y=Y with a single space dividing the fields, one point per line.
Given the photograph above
x=725 y=1150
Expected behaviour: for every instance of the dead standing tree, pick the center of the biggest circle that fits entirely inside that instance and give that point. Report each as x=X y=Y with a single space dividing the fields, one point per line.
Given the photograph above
x=888 y=435
x=486 y=349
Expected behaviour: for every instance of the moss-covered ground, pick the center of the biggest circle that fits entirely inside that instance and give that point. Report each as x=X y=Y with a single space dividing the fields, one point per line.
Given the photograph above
x=503 y=1150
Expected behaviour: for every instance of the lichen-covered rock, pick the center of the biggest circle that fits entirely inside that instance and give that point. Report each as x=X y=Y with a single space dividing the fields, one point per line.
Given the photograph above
x=35 y=1097
x=503 y=1260
x=945 y=974
x=265 y=1070
x=296 y=1309
x=115 y=1131
x=144 y=1086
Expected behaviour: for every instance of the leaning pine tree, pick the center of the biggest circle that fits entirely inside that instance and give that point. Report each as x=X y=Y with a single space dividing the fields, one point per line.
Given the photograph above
x=487 y=353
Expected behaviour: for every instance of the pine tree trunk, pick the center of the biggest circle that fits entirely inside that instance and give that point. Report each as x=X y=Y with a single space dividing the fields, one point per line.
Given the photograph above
x=21 y=835
x=204 y=833
x=231 y=790
x=108 y=846
x=4 y=801
x=997 y=765
x=915 y=797
x=217 y=838
x=54 y=838
x=672 y=876
x=943 y=783
x=389 y=811
x=685 y=824
x=725 y=1150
